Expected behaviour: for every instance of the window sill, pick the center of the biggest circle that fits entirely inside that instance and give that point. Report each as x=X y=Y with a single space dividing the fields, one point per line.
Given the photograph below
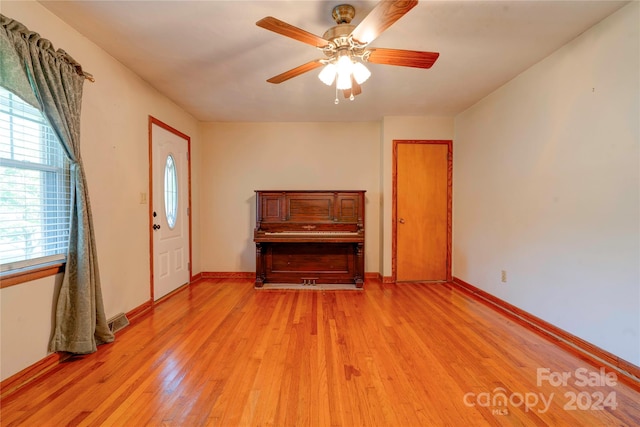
x=12 y=278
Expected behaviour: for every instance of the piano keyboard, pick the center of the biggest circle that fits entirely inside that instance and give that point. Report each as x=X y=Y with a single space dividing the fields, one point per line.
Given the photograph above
x=311 y=233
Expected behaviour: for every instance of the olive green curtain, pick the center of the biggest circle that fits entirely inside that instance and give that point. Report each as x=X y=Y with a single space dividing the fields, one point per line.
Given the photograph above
x=52 y=81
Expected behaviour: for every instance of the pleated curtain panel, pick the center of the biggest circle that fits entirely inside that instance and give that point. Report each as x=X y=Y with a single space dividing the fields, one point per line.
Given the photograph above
x=52 y=81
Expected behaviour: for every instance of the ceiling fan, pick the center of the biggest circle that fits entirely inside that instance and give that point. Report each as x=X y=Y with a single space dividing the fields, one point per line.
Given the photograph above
x=346 y=46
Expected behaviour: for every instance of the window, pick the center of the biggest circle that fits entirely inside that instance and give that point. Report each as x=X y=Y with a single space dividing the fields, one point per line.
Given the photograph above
x=34 y=187
x=170 y=191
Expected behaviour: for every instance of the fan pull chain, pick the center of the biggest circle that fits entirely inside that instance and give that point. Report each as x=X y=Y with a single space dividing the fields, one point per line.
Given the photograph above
x=337 y=101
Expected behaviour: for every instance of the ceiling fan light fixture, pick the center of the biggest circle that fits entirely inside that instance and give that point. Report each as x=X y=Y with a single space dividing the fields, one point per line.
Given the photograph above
x=328 y=74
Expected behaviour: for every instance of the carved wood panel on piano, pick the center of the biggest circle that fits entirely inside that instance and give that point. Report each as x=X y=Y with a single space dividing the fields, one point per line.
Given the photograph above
x=309 y=237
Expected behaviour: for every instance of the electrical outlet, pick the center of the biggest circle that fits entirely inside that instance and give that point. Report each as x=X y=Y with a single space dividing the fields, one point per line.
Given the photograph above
x=503 y=276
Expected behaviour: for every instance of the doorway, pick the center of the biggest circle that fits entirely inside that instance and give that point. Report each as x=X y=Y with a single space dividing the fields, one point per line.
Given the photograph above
x=421 y=217
x=169 y=208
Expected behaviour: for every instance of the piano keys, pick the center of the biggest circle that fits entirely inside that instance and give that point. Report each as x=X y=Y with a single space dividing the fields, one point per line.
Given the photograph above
x=309 y=237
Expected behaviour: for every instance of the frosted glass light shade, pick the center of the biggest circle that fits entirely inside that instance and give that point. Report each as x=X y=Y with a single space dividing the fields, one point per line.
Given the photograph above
x=328 y=74
x=344 y=81
x=345 y=65
x=360 y=72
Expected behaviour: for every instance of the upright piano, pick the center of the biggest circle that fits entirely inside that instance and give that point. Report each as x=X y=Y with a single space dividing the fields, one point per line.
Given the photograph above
x=309 y=237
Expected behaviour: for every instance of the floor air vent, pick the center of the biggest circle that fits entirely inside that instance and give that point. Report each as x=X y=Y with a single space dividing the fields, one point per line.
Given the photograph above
x=118 y=322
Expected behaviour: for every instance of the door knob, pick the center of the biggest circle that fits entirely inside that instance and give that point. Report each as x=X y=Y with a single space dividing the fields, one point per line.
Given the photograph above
x=401 y=220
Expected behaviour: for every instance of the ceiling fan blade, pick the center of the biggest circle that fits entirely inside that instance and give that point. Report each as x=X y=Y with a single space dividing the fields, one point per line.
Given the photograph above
x=380 y=18
x=294 y=72
x=277 y=26
x=356 y=89
x=403 y=58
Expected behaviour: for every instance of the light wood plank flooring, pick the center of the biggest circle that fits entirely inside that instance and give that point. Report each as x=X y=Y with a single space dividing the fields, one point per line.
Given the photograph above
x=220 y=353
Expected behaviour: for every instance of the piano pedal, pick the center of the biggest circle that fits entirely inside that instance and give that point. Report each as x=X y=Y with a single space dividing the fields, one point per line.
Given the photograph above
x=311 y=281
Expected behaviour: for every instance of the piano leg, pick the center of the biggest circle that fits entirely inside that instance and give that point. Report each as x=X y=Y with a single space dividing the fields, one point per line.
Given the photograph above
x=359 y=279
x=260 y=273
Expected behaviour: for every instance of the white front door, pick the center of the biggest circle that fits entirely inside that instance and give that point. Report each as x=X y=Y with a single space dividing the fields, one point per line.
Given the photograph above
x=169 y=213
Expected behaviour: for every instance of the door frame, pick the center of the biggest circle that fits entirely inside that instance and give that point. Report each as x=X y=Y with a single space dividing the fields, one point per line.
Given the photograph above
x=394 y=203
x=154 y=121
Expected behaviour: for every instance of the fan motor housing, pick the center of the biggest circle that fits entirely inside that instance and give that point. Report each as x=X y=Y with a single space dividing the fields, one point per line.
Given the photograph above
x=338 y=31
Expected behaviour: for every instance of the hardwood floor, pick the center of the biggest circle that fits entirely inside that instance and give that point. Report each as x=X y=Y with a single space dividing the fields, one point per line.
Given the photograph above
x=223 y=354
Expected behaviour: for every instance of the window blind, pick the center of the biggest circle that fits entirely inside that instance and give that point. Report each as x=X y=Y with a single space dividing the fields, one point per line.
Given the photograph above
x=34 y=187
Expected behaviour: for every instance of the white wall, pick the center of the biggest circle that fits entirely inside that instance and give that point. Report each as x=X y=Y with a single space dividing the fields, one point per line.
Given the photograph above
x=115 y=151
x=243 y=157
x=546 y=187
x=26 y=315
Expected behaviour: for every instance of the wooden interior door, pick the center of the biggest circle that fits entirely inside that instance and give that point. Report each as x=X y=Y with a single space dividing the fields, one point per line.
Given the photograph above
x=422 y=214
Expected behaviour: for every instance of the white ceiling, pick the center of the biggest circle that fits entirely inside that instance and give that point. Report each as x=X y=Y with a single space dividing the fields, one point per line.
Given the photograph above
x=210 y=58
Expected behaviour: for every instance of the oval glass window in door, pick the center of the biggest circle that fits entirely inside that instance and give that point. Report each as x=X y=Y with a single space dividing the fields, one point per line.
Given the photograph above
x=170 y=191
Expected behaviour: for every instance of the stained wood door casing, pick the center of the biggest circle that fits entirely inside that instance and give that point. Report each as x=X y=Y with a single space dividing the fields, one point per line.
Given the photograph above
x=170 y=197
x=422 y=210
